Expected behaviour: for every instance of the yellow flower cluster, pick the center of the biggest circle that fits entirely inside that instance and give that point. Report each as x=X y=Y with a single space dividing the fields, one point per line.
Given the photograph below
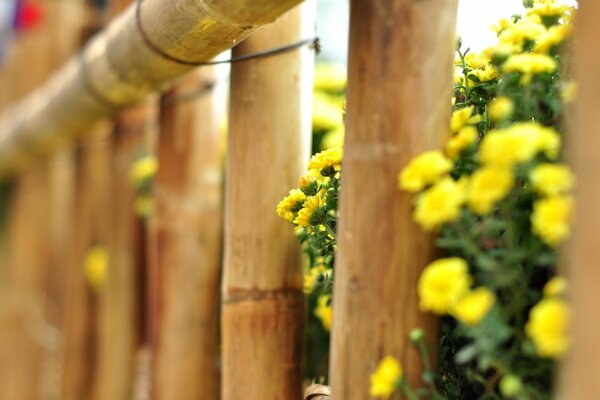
x=288 y=207
x=464 y=133
x=310 y=205
x=444 y=288
x=386 y=378
x=549 y=321
x=323 y=310
x=330 y=158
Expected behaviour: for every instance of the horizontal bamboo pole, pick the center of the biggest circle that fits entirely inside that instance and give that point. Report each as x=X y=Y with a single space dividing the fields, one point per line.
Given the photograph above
x=580 y=380
x=399 y=75
x=118 y=68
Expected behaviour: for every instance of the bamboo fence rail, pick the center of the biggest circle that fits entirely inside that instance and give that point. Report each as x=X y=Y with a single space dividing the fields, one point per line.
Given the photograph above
x=580 y=379
x=399 y=83
x=267 y=150
x=123 y=64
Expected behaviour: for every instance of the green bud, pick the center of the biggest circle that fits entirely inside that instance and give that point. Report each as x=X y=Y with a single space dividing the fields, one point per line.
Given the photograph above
x=416 y=335
x=528 y=3
x=458 y=42
x=511 y=386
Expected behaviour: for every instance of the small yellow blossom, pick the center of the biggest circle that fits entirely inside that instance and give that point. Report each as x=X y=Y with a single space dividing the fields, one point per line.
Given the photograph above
x=330 y=77
x=551 y=217
x=522 y=31
x=143 y=169
x=440 y=204
x=463 y=117
x=463 y=139
x=477 y=60
x=326 y=159
x=423 y=170
x=310 y=278
x=507 y=147
x=501 y=108
x=474 y=306
x=323 y=310
x=551 y=179
x=548 y=9
x=442 y=284
x=502 y=25
x=290 y=205
x=529 y=64
x=488 y=185
x=308 y=208
x=554 y=36
x=548 y=327
x=555 y=287
x=386 y=377
x=486 y=74
x=96 y=266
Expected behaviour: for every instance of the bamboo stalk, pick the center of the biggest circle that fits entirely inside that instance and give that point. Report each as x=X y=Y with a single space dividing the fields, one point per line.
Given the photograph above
x=580 y=376
x=267 y=150
x=119 y=68
x=188 y=229
x=400 y=65
x=123 y=320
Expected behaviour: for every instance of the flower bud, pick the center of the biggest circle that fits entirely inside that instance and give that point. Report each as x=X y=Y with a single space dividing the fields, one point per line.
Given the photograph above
x=511 y=386
x=416 y=335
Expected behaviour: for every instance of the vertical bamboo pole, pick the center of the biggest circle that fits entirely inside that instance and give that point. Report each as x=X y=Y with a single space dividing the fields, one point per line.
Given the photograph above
x=266 y=153
x=581 y=376
x=399 y=85
x=188 y=229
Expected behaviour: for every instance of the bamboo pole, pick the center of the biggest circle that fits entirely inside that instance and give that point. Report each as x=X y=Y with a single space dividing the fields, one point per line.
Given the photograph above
x=267 y=151
x=580 y=378
x=119 y=68
x=188 y=229
x=399 y=85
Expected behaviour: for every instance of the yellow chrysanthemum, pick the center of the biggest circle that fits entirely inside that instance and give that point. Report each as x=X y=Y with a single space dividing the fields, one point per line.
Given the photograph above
x=323 y=310
x=143 y=169
x=477 y=60
x=551 y=217
x=487 y=186
x=486 y=74
x=474 y=306
x=548 y=9
x=529 y=64
x=547 y=327
x=330 y=77
x=386 y=378
x=291 y=204
x=463 y=117
x=501 y=108
x=507 y=147
x=442 y=284
x=440 y=204
x=326 y=159
x=554 y=36
x=424 y=170
x=551 y=179
x=524 y=30
x=308 y=208
x=463 y=139
x=547 y=141
x=96 y=266
x=555 y=287
x=327 y=114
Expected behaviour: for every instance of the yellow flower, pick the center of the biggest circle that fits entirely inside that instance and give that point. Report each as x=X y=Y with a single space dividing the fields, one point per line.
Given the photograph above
x=507 y=147
x=143 y=169
x=323 y=310
x=326 y=159
x=529 y=64
x=502 y=25
x=463 y=139
x=143 y=205
x=501 y=108
x=330 y=77
x=547 y=141
x=550 y=218
x=290 y=205
x=463 y=117
x=551 y=179
x=548 y=9
x=96 y=266
x=477 y=60
x=440 y=204
x=524 y=30
x=333 y=138
x=554 y=36
x=310 y=278
x=486 y=74
x=547 y=327
x=308 y=208
x=474 y=306
x=488 y=185
x=424 y=170
x=327 y=114
x=555 y=287
x=386 y=377
x=442 y=284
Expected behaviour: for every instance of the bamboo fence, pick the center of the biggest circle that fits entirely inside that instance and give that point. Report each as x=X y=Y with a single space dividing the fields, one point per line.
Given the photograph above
x=151 y=329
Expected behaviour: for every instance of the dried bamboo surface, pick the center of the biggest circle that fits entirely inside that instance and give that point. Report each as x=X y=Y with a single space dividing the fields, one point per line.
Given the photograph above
x=188 y=228
x=267 y=150
x=119 y=68
x=400 y=65
x=581 y=376
x=123 y=309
